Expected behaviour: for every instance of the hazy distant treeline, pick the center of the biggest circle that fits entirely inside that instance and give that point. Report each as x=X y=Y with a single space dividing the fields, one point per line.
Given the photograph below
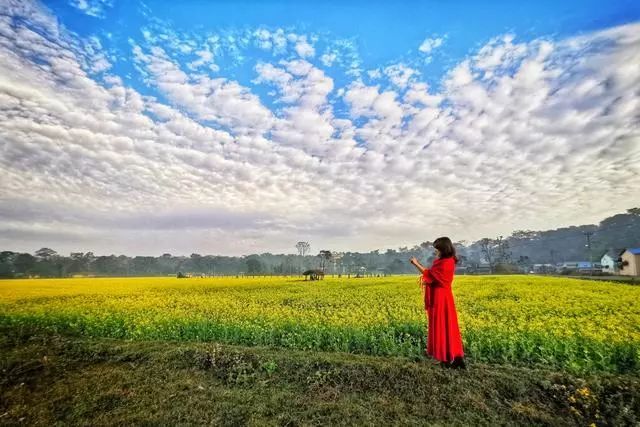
x=520 y=249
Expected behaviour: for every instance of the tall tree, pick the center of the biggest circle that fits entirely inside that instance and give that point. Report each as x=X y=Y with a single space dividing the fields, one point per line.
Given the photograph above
x=45 y=253
x=24 y=263
x=489 y=249
x=254 y=266
x=325 y=257
x=303 y=249
x=503 y=253
x=7 y=266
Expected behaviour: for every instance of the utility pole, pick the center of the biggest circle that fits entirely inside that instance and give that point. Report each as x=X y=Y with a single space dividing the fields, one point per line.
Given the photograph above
x=588 y=235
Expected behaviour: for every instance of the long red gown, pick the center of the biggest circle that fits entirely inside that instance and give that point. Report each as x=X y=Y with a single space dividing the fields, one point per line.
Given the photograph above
x=444 y=342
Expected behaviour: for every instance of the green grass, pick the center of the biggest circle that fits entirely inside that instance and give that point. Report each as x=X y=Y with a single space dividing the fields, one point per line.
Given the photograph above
x=58 y=380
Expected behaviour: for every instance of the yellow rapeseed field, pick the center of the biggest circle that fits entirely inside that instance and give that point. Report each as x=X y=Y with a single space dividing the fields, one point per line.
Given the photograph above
x=574 y=324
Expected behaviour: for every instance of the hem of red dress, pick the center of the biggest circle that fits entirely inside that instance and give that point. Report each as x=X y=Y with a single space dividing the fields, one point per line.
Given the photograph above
x=440 y=359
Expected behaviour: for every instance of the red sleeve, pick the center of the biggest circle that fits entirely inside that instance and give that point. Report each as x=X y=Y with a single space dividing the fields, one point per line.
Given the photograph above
x=439 y=273
x=425 y=277
x=433 y=276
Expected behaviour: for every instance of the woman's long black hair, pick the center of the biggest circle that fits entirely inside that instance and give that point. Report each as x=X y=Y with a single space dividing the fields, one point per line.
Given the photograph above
x=446 y=248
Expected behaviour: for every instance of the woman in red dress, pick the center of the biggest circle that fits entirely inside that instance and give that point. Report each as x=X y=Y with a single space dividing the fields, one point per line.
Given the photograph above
x=444 y=342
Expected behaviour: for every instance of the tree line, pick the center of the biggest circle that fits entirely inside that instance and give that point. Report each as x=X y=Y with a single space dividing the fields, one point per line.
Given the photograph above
x=503 y=254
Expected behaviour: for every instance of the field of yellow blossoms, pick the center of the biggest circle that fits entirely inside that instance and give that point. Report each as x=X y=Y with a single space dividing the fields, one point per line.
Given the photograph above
x=565 y=323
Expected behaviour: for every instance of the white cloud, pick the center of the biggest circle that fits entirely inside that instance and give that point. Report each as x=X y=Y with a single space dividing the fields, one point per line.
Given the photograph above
x=298 y=82
x=374 y=74
x=304 y=48
x=520 y=135
x=95 y=8
x=219 y=100
x=307 y=123
x=205 y=57
x=328 y=59
x=429 y=44
x=418 y=93
x=278 y=41
x=400 y=74
x=263 y=39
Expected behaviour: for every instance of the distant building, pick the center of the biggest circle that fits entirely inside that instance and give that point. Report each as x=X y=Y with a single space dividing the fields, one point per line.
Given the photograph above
x=586 y=267
x=610 y=261
x=483 y=268
x=543 y=268
x=579 y=267
x=630 y=265
x=313 y=274
x=462 y=270
x=567 y=267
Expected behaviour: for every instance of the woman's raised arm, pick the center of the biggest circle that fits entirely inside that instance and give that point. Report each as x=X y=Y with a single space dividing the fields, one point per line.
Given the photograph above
x=417 y=264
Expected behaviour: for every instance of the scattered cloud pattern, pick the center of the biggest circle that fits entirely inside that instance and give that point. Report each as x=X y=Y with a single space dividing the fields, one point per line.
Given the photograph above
x=519 y=134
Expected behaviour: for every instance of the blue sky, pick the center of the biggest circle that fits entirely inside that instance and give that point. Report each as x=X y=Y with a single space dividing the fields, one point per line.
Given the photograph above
x=377 y=33
x=238 y=127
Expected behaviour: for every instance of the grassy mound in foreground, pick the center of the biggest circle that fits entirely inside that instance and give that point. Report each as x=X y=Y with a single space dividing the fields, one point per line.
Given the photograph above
x=53 y=379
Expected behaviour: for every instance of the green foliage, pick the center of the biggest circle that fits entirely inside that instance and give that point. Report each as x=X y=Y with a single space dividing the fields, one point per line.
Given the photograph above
x=55 y=380
x=580 y=326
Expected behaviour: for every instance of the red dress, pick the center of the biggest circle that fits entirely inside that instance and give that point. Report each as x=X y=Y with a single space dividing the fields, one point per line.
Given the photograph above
x=443 y=341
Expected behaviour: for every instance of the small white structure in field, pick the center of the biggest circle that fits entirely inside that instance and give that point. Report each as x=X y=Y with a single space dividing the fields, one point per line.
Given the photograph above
x=630 y=262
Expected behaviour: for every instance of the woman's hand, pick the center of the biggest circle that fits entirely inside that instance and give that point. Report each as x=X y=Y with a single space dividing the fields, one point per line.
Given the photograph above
x=416 y=264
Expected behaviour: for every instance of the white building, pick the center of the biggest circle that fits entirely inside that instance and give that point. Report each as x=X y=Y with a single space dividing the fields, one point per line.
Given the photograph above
x=610 y=261
x=630 y=262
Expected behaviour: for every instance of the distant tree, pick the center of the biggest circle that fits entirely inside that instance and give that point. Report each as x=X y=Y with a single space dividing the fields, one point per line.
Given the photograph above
x=254 y=266
x=197 y=262
x=503 y=253
x=45 y=253
x=426 y=245
x=425 y=248
x=303 y=249
x=109 y=265
x=24 y=263
x=634 y=211
x=489 y=249
x=325 y=257
x=45 y=265
x=7 y=268
x=525 y=234
x=336 y=257
x=556 y=245
x=89 y=258
x=77 y=262
x=142 y=265
x=124 y=263
x=396 y=266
